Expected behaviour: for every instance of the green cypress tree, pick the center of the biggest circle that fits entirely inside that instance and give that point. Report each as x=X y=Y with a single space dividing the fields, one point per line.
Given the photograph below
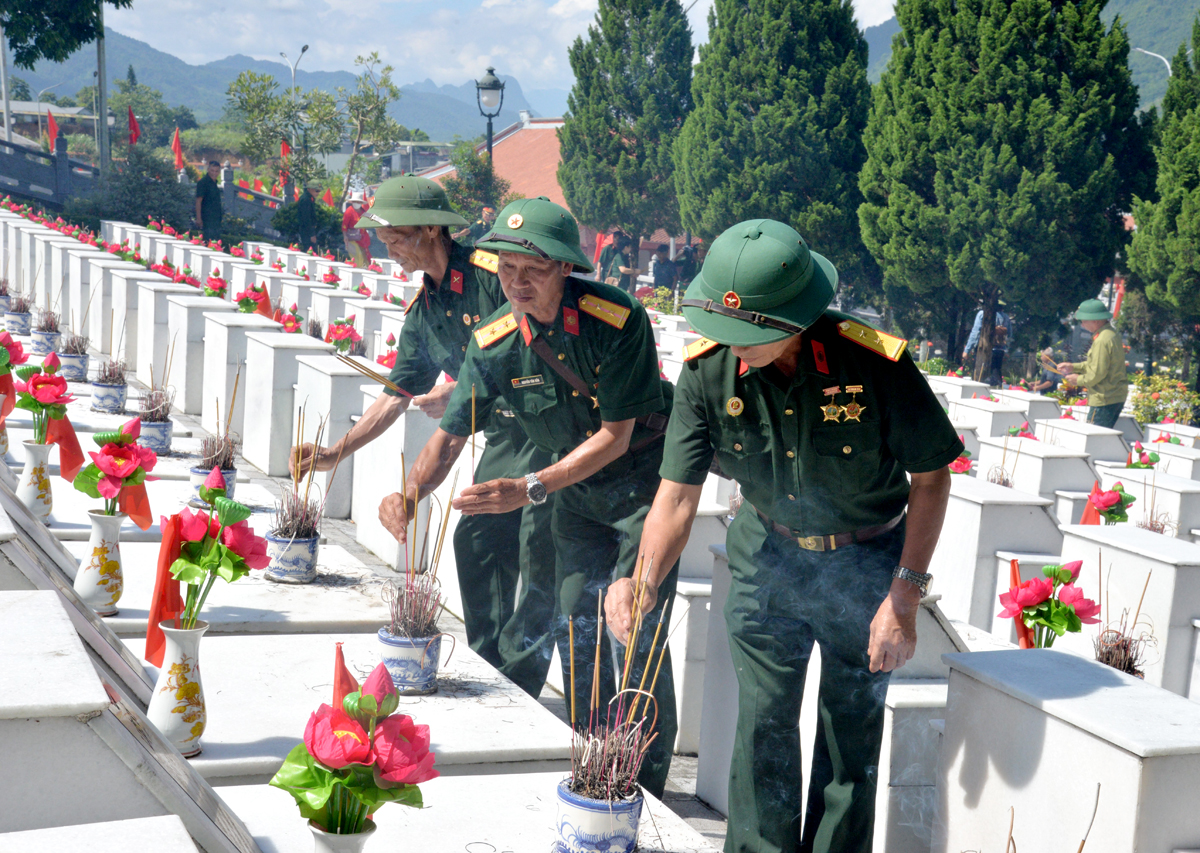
x=1164 y=254
x=781 y=99
x=631 y=94
x=1002 y=146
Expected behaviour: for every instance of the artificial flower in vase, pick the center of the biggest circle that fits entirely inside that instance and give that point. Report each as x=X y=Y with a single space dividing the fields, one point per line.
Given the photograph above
x=12 y=354
x=254 y=300
x=202 y=546
x=44 y=395
x=343 y=335
x=1140 y=457
x=357 y=755
x=1045 y=608
x=1113 y=505
x=117 y=474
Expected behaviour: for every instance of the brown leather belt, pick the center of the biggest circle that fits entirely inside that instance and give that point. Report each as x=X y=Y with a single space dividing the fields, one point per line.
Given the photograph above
x=831 y=541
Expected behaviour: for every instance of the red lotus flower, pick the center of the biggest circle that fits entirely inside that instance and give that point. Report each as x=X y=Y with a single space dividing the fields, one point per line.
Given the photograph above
x=379 y=684
x=388 y=361
x=46 y=389
x=241 y=540
x=402 y=752
x=196 y=525
x=1029 y=594
x=336 y=740
x=1084 y=608
x=1105 y=500
x=1073 y=567
x=214 y=480
x=16 y=352
x=961 y=465
x=51 y=364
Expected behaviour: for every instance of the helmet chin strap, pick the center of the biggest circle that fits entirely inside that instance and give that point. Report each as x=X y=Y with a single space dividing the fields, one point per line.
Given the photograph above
x=738 y=314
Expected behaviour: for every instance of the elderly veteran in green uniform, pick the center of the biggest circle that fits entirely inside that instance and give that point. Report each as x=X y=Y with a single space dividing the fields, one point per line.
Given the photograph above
x=412 y=216
x=575 y=361
x=1103 y=373
x=822 y=421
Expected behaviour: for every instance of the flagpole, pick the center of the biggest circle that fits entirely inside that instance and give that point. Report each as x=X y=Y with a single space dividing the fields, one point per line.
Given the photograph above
x=102 y=90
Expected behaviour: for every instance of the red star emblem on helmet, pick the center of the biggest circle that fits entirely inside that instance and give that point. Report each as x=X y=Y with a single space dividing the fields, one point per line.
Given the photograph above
x=732 y=300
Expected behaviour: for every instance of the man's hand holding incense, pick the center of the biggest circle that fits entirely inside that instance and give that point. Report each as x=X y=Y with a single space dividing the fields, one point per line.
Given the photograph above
x=618 y=606
x=494 y=496
x=434 y=403
x=307 y=456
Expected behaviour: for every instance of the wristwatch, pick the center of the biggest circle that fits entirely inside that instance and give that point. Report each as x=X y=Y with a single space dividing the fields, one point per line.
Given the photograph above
x=920 y=581
x=535 y=490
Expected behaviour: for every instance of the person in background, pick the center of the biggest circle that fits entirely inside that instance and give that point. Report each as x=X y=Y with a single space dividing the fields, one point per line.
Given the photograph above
x=356 y=239
x=685 y=264
x=1103 y=373
x=473 y=232
x=622 y=270
x=606 y=256
x=306 y=209
x=665 y=271
x=1000 y=336
x=1047 y=380
x=208 y=203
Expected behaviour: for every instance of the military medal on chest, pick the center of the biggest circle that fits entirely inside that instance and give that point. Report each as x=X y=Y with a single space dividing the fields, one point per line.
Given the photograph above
x=832 y=411
x=853 y=410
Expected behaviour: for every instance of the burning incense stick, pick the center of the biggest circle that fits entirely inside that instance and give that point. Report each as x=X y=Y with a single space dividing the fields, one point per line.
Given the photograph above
x=472 y=433
x=371 y=374
x=571 y=642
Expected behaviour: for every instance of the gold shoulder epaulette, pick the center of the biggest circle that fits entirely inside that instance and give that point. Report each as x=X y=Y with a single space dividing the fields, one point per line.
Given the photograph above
x=888 y=346
x=602 y=309
x=493 y=332
x=413 y=301
x=698 y=348
x=489 y=261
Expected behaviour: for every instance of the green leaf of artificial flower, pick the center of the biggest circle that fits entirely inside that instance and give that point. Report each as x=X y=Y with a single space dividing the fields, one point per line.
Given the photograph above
x=27 y=370
x=230 y=511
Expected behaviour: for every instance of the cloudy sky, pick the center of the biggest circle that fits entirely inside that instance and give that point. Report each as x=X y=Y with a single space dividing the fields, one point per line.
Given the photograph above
x=449 y=41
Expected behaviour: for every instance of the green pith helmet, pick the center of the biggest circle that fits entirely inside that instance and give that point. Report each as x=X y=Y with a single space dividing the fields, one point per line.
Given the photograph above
x=1092 y=309
x=409 y=200
x=759 y=284
x=538 y=227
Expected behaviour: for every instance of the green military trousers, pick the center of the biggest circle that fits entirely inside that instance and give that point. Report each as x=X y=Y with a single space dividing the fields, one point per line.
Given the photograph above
x=505 y=566
x=782 y=600
x=597 y=532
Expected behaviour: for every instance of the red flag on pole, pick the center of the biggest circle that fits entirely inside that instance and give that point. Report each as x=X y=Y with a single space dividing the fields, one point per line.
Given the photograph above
x=258 y=185
x=177 y=147
x=285 y=150
x=1091 y=515
x=328 y=197
x=134 y=131
x=53 y=129
x=166 y=602
x=275 y=190
x=243 y=183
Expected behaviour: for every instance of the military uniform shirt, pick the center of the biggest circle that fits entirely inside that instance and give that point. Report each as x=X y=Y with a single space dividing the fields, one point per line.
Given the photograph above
x=770 y=433
x=620 y=364
x=438 y=324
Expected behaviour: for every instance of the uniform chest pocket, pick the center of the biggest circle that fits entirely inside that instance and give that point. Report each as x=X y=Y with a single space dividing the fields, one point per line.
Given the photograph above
x=532 y=399
x=847 y=441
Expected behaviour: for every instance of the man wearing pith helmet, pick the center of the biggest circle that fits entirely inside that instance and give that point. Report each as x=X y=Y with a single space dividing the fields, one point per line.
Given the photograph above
x=1103 y=372
x=574 y=359
x=819 y=418
x=493 y=554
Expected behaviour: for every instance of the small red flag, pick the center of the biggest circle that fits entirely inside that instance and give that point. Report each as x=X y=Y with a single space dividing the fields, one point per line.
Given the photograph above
x=275 y=190
x=70 y=456
x=243 y=183
x=285 y=150
x=53 y=129
x=258 y=185
x=166 y=603
x=1091 y=515
x=328 y=197
x=177 y=147
x=1024 y=632
x=134 y=131
x=10 y=396
x=343 y=682
x=135 y=503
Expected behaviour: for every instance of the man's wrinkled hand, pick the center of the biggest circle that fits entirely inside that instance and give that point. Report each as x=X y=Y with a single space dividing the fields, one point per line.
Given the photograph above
x=894 y=629
x=494 y=496
x=394 y=513
x=308 y=455
x=618 y=606
x=434 y=403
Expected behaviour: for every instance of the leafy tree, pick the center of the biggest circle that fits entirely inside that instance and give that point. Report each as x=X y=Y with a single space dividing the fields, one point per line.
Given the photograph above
x=781 y=98
x=993 y=148
x=474 y=183
x=328 y=232
x=142 y=186
x=156 y=120
x=50 y=29
x=366 y=111
x=631 y=95
x=1163 y=252
x=18 y=89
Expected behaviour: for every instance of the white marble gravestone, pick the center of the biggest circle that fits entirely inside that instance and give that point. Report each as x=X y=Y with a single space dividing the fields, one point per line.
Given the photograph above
x=988 y=418
x=185 y=325
x=1030 y=734
x=1036 y=467
x=1174 y=501
x=958 y=388
x=125 y=285
x=154 y=338
x=1036 y=406
x=225 y=368
x=331 y=390
x=1100 y=443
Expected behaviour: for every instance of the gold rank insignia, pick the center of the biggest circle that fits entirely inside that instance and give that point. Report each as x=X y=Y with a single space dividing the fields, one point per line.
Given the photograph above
x=734 y=406
x=493 y=332
x=602 y=309
x=888 y=346
x=516 y=221
x=698 y=348
x=489 y=261
x=853 y=410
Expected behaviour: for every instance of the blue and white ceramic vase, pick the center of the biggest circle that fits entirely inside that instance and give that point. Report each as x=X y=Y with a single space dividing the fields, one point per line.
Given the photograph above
x=4 y=302
x=590 y=826
x=156 y=435
x=17 y=324
x=108 y=398
x=292 y=560
x=411 y=662
x=44 y=343
x=74 y=367
x=198 y=475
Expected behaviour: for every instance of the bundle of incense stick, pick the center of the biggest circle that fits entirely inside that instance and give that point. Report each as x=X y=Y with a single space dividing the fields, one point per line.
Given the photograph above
x=372 y=375
x=1050 y=365
x=299 y=515
x=607 y=757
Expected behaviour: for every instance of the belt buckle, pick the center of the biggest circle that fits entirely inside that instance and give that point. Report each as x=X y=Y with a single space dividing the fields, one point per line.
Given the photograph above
x=811 y=543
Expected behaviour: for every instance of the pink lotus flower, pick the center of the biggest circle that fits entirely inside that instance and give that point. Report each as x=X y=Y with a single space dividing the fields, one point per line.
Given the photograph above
x=47 y=390
x=1029 y=594
x=1144 y=458
x=51 y=364
x=197 y=525
x=132 y=429
x=1105 y=500
x=961 y=465
x=402 y=752
x=241 y=539
x=214 y=480
x=1073 y=567
x=1084 y=608
x=379 y=684
x=336 y=740
x=16 y=352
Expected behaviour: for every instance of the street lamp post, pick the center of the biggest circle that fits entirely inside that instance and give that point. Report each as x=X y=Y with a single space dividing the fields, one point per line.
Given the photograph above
x=39 y=111
x=293 y=65
x=489 y=90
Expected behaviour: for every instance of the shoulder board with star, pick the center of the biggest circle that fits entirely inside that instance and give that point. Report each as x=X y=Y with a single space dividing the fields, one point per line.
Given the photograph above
x=602 y=309
x=489 y=261
x=698 y=348
x=420 y=292
x=493 y=332
x=888 y=346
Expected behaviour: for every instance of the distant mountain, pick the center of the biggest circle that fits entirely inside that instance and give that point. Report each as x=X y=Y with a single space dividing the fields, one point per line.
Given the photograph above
x=1159 y=26
x=441 y=111
x=549 y=102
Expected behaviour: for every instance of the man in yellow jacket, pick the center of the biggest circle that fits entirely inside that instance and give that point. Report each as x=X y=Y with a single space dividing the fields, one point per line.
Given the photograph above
x=1103 y=374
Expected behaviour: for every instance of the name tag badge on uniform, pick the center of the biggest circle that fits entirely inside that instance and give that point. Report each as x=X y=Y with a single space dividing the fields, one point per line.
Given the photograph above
x=734 y=406
x=527 y=381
